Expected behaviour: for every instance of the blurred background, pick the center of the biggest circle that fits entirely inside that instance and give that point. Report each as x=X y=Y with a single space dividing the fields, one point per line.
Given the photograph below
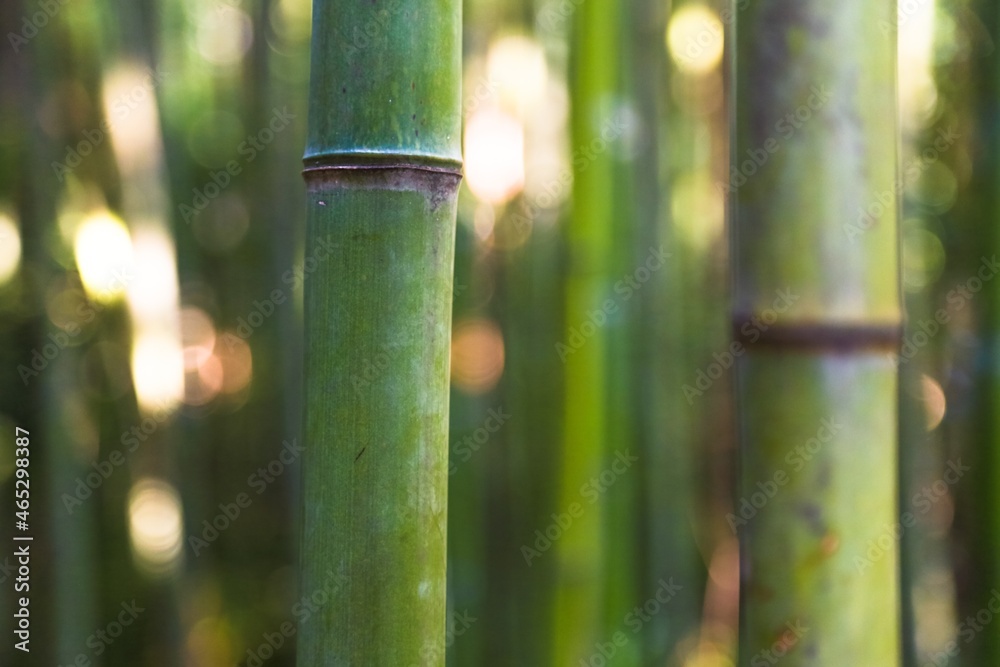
x=151 y=273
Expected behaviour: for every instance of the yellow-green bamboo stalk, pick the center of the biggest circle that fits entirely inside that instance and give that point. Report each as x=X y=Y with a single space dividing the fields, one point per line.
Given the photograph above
x=817 y=308
x=580 y=590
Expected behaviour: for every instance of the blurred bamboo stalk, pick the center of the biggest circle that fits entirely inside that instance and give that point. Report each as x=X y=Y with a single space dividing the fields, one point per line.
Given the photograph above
x=581 y=592
x=817 y=308
x=970 y=88
x=632 y=268
x=467 y=475
x=382 y=170
x=663 y=416
x=64 y=546
x=533 y=390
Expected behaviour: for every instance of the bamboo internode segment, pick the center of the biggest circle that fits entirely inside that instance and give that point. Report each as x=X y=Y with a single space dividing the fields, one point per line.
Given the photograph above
x=386 y=79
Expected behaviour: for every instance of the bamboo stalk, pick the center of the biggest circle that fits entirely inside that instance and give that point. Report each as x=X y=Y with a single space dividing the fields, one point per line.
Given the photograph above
x=970 y=88
x=624 y=587
x=382 y=171
x=580 y=593
x=664 y=417
x=533 y=391
x=817 y=308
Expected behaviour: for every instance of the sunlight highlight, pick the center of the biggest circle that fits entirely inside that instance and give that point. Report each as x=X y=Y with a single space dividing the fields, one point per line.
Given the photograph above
x=10 y=248
x=104 y=256
x=517 y=65
x=695 y=38
x=494 y=155
x=156 y=525
x=158 y=371
x=225 y=34
x=129 y=97
x=915 y=46
x=153 y=292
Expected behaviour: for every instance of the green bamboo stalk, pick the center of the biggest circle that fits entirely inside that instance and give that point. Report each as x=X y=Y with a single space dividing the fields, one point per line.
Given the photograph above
x=970 y=88
x=818 y=376
x=580 y=590
x=532 y=395
x=912 y=547
x=922 y=453
x=61 y=620
x=382 y=169
x=623 y=575
x=467 y=578
x=664 y=417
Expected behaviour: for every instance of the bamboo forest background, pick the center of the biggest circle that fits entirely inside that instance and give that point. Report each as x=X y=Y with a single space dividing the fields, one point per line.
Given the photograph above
x=151 y=274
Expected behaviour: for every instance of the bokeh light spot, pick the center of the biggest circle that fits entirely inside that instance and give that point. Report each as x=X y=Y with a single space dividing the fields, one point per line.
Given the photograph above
x=158 y=371
x=516 y=66
x=494 y=155
x=224 y=35
x=10 y=248
x=477 y=356
x=156 y=525
x=103 y=252
x=695 y=38
x=935 y=404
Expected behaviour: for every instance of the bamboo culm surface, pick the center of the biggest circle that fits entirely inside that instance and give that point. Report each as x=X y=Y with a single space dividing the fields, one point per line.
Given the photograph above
x=817 y=307
x=382 y=172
